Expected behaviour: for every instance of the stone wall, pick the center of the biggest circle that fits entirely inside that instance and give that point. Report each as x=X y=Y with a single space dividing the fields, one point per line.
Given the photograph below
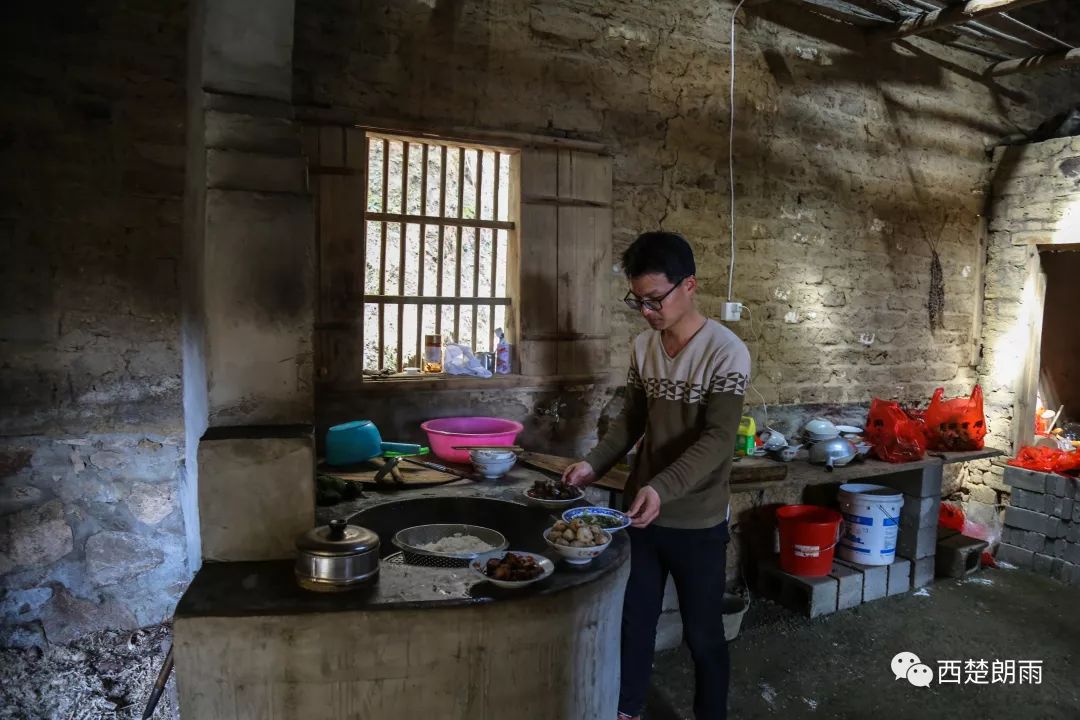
x=850 y=160
x=1036 y=202
x=92 y=129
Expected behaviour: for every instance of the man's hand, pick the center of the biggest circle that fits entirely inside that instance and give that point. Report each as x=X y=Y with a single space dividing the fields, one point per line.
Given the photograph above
x=645 y=508
x=579 y=474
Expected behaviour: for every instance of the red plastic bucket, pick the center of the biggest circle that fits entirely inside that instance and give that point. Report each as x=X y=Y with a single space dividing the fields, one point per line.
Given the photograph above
x=807 y=539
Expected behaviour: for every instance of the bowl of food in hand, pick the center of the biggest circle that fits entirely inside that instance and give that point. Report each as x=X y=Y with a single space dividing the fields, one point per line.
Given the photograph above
x=512 y=569
x=492 y=464
x=577 y=541
x=607 y=518
x=553 y=494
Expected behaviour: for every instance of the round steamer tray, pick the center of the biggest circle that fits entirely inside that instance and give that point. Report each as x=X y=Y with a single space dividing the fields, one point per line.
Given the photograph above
x=410 y=539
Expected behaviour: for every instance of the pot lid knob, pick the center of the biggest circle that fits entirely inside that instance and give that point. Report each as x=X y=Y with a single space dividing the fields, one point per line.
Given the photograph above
x=337 y=530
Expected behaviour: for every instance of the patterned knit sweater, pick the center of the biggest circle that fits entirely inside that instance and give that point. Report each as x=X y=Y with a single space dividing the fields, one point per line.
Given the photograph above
x=688 y=409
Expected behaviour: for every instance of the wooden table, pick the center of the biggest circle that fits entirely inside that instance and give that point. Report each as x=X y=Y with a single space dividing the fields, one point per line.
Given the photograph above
x=750 y=474
x=747 y=473
x=802 y=471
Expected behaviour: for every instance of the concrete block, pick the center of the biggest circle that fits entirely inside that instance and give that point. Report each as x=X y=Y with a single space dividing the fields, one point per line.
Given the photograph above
x=875 y=579
x=944 y=533
x=1025 y=479
x=1072 y=532
x=899 y=576
x=1060 y=486
x=1028 y=500
x=916 y=544
x=1015 y=555
x=920 y=512
x=1072 y=553
x=1055 y=528
x=259 y=293
x=919 y=483
x=1025 y=520
x=252 y=133
x=1059 y=507
x=255 y=496
x=1056 y=548
x=1036 y=542
x=1069 y=573
x=1076 y=513
x=922 y=572
x=235 y=170
x=811 y=596
x=260 y=65
x=1042 y=564
x=849 y=586
x=958 y=556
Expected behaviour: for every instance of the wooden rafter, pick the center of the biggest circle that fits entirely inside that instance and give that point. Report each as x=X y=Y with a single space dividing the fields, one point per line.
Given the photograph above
x=1035 y=62
x=947 y=16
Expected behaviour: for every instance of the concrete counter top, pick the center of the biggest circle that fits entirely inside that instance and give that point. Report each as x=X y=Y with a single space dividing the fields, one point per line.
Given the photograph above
x=269 y=588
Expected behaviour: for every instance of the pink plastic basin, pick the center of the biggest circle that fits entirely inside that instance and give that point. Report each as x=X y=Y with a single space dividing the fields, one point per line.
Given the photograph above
x=444 y=433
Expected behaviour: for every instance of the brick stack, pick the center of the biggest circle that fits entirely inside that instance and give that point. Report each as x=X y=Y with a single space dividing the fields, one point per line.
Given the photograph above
x=1042 y=526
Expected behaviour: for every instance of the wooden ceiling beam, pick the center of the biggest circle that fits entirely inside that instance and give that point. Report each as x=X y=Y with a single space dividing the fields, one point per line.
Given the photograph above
x=946 y=17
x=1035 y=62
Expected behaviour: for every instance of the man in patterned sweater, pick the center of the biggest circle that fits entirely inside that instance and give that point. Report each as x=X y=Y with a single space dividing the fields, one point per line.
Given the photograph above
x=684 y=397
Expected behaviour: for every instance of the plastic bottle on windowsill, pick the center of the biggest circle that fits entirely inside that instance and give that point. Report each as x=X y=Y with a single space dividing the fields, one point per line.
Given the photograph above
x=502 y=354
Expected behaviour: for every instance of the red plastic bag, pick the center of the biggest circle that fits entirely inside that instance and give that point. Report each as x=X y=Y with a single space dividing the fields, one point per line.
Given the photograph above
x=895 y=435
x=951 y=517
x=1046 y=459
x=957 y=424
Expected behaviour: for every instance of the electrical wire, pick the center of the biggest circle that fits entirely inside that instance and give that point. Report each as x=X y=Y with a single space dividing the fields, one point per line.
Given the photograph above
x=731 y=156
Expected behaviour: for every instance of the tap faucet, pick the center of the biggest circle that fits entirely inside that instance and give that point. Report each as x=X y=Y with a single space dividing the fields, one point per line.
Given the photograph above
x=552 y=410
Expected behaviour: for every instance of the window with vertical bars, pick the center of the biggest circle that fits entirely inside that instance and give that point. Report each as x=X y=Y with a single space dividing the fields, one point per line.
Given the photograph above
x=437 y=228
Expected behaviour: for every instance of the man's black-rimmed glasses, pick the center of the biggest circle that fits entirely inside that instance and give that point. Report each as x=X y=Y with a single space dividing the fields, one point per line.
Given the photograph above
x=636 y=303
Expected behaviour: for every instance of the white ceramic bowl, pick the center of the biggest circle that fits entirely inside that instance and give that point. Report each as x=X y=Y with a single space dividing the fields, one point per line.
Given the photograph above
x=477 y=568
x=820 y=429
x=492 y=463
x=583 y=512
x=578 y=555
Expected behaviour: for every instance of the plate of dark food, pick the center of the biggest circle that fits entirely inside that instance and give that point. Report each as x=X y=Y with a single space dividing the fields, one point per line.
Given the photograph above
x=513 y=568
x=553 y=494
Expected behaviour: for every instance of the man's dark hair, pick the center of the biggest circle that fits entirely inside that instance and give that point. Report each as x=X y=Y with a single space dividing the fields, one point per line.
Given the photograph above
x=659 y=252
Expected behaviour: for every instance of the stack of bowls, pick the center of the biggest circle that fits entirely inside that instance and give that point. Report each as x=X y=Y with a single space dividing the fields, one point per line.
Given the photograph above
x=493 y=464
x=819 y=430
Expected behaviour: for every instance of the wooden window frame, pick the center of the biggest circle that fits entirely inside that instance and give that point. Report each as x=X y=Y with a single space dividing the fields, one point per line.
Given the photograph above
x=463 y=296
x=543 y=356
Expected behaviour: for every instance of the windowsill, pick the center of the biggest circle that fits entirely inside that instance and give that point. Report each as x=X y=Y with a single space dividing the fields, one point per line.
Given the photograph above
x=450 y=383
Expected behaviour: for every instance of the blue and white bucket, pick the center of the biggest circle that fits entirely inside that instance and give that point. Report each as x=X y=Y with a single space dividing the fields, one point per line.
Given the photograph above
x=871 y=523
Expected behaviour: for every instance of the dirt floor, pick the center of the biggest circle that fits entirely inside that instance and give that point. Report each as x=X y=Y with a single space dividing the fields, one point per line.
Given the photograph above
x=839 y=666
x=102 y=676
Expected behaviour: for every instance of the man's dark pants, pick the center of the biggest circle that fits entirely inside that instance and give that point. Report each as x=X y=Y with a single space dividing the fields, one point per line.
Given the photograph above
x=695 y=561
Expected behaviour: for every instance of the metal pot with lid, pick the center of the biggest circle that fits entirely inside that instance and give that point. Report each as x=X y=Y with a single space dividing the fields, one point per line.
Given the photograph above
x=337 y=557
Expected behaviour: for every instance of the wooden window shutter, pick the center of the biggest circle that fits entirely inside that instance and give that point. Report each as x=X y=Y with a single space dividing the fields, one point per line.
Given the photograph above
x=564 y=259
x=336 y=162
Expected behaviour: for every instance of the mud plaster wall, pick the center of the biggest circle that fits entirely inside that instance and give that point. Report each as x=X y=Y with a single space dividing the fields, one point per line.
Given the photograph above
x=92 y=151
x=848 y=158
x=1036 y=201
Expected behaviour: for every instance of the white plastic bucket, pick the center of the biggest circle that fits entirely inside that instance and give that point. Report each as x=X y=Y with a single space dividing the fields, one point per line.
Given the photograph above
x=733 y=608
x=871 y=522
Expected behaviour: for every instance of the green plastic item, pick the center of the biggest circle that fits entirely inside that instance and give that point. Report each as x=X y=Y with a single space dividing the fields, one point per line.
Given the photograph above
x=744 y=439
x=423 y=451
